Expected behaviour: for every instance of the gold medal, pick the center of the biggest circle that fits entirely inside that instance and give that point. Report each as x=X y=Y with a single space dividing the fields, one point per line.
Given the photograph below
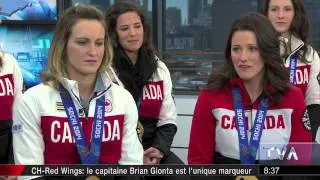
x=92 y=178
x=140 y=131
x=246 y=178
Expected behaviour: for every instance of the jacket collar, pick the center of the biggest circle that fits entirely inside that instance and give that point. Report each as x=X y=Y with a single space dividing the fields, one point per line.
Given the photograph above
x=296 y=44
x=101 y=85
x=244 y=93
x=238 y=82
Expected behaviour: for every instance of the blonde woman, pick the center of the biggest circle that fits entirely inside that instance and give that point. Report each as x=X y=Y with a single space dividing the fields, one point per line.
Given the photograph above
x=77 y=116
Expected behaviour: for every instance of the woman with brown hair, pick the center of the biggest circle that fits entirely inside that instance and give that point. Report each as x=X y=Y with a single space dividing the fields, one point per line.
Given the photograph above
x=147 y=78
x=246 y=105
x=290 y=19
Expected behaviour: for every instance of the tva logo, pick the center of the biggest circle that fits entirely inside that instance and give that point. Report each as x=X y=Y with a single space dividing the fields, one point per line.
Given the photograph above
x=275 y=152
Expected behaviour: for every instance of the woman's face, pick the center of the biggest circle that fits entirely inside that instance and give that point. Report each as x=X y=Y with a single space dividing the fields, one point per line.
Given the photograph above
x=85 y=47
x=246 y=57
x=281 y=13
x=130 y=31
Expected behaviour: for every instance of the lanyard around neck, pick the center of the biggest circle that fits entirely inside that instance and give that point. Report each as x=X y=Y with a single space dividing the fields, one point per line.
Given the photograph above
x=292 y=67
x=92 y=155
x=248 y=150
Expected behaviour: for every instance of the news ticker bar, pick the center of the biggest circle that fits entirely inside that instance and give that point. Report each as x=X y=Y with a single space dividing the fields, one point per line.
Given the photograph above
x=159 y=170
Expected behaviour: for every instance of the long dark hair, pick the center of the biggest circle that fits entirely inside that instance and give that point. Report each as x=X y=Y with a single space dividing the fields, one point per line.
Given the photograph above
x=135 y=77
x=299 y=25
x=269 y=49
x=120 y=8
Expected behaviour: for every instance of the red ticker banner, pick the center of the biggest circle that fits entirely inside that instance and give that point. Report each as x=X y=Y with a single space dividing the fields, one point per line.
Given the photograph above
x=13 y=170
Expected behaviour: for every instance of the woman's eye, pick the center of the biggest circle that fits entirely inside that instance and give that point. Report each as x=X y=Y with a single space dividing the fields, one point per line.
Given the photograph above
x=81 y=43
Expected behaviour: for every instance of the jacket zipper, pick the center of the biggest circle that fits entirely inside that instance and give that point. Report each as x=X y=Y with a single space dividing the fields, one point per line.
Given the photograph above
x=79 y=102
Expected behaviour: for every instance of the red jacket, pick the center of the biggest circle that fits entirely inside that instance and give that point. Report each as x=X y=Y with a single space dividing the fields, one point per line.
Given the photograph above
x=11 y=83
x=214 y=127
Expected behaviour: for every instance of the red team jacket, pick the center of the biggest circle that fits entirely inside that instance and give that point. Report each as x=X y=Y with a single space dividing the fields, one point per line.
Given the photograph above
x=43 y=136
x=11 y=83
x=214 y=128
x=157 y=110
x=306 y=74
